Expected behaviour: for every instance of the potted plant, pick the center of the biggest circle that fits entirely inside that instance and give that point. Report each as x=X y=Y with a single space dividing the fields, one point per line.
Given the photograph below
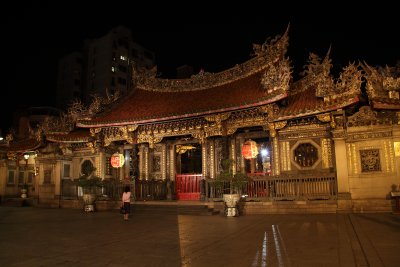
x=231 y=185
x=90 y=185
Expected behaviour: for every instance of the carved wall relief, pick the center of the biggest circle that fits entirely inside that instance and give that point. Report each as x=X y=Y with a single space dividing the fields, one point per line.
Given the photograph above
x=156 y=163
x=218 y=154
x=370 y=160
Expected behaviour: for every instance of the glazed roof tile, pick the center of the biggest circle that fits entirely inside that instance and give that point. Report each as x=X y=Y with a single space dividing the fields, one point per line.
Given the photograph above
x=305 y=103
x=76 y=136
x=21 y=145
x=144 y=106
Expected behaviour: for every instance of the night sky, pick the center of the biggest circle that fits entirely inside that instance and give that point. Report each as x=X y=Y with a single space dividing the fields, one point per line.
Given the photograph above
x=37 y=34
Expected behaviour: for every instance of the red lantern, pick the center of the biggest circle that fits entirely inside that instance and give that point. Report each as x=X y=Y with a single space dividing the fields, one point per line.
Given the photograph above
x=117 y=160
x=249 y=149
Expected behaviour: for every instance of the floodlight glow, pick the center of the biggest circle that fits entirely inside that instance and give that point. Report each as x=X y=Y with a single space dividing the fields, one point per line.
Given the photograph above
x=264 y=152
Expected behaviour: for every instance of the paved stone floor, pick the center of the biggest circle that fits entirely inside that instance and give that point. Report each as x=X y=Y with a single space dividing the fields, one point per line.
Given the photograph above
x=63 y=237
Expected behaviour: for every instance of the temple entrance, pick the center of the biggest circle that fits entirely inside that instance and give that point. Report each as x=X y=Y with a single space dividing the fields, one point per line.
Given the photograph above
x=261 y=164
x=189 y=171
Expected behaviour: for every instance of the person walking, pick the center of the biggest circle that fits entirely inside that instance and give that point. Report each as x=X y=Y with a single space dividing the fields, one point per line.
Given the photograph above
x=126 y=202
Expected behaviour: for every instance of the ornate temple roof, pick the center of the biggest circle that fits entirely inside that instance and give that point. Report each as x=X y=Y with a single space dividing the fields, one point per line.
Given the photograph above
x=305 y=104
x=75 y=136
x=318 y=92
x=16 y=148
x=145 y=106
x=261 y=80
x=383 y=86
x=21 y=145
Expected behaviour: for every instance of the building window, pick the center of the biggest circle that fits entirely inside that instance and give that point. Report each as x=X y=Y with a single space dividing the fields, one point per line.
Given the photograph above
x=370 y=160
x=30 y=177
x=76 y=94
x=21 y=178
x=124 y=58
x=305 y=155
x=67 y=169
x=47 y=177
x=148 y=55
x=121 y=81
x=87 y=168
x=10 y=179
x=122 y=68
x=113 y=69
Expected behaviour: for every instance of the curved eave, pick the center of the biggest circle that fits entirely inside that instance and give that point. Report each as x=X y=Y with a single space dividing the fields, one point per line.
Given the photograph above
x=76 y=136
x=319 y=110
x=383 y=105
x=21 y=146
x=86 y=124
x=71 y=141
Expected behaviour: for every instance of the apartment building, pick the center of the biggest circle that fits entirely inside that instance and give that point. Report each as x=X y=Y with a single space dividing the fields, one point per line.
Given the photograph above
x=104 y=65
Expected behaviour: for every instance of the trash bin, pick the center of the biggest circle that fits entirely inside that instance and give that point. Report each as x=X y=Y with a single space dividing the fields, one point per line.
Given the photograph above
x=396 y=197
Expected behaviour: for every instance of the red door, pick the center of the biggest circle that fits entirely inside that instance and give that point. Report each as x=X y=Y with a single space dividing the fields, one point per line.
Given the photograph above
x=188 y=186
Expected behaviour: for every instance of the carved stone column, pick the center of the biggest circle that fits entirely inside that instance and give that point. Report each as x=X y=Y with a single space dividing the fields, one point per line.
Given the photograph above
x=146 y=162
x=164 y=161
x=242 y=162
x=204 y=159
x=275 y=156
x=172 y=163
x=233 y=154
x=342 y=174
x=212 y=159
x=141 y=153
x=122 y=170
x=127 y=160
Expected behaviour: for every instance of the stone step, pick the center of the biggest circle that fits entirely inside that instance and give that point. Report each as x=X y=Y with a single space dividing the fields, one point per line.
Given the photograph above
x=16 y=202
x=174 y=209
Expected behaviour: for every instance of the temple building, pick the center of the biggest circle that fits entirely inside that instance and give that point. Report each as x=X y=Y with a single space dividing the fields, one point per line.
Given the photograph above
x=322 y=143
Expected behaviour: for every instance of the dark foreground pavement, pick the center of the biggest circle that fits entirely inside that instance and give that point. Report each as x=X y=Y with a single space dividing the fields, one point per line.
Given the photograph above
x=62 y=237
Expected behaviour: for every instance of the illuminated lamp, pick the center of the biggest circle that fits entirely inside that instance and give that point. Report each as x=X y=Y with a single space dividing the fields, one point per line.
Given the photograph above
x=117 y=160
x=264 y=152
x=249 y=149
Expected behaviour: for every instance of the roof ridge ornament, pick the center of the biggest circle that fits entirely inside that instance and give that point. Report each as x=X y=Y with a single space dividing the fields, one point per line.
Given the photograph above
x=318 y=75
x=269 y=53
x=273 y=47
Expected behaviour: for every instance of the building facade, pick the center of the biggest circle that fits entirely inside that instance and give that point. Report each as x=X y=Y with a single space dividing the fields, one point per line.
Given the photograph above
x=103 y=67
x=326 y=144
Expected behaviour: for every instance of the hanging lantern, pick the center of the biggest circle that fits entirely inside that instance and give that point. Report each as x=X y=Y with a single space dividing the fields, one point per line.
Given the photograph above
x=117 y=160
x=249 y=149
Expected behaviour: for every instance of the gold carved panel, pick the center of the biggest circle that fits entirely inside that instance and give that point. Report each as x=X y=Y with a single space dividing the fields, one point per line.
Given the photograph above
x=326 y=153
x=397 y=149
x=370 y=160
x=285 y=156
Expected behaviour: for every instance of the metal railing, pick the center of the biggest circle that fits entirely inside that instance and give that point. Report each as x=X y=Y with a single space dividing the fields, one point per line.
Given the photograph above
x=279 y=188
x=294 y=187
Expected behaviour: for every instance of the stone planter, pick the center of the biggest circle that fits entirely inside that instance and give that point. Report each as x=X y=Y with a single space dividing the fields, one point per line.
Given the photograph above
x=23 y=193
x=231 y=204
x=88 y=200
